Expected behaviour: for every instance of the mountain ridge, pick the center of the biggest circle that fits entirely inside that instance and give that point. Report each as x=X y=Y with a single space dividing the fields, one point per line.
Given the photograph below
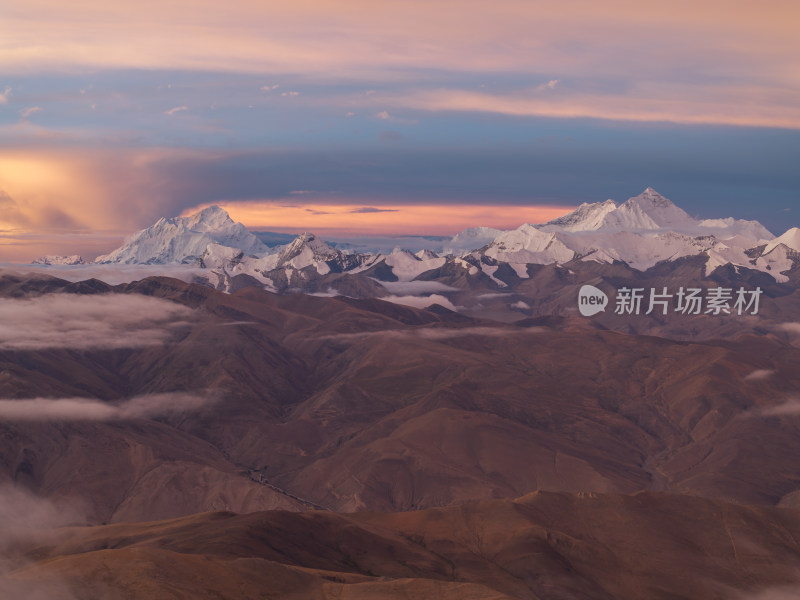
x=641 y=232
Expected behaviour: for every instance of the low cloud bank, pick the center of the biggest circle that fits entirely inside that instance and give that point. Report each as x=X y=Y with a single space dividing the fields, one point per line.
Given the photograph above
x=416 y=288
x=789 y=327
x=789 y=408
x=421 y=301
x=85 y=322
x=24 y=519
x=24 y=515
x=437 y=333
x=85 y=409
x=759 y=375
x=112 y=273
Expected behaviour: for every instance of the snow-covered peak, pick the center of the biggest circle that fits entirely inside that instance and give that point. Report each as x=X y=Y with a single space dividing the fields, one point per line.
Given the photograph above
x=75 y=259
x=209 y=219
x=218 y=256
x=471 y=239
x=528 y=244
x=790 y=239
x=587 y=217
x=305 y=249
x=180 y=239
x=426 y=254
x=748 y=233
x=308 y=250
x=406 y=266
x=649 y=210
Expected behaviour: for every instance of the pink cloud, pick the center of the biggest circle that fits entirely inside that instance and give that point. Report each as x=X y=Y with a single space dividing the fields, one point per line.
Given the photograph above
x=681 y=43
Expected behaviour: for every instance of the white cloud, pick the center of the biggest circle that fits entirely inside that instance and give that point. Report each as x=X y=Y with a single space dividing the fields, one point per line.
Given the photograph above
x=88 y=321
x=23 y=514
x=30 y=110
x=110 y=273
x=790 y=327
x=416 y=288
x=269 y=88
x=788 y=408
x=421 y=301
x=385 y=116
x=550 y=85
x=329 y=293
x=521 y=305
x=759 y=374
x=176 y=109
x=5 y=95
x=439 y=333
x=290 y=93
x=24 y=519
x=86 y=409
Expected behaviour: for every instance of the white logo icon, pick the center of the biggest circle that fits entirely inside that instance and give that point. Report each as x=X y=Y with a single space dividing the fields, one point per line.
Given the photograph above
x=591 y=300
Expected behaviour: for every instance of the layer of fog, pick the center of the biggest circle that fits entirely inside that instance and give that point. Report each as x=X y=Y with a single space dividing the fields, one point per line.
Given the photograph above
x=759 y=375
x=88 y=321
x=421 y=301
x=416 y=288
x=437 y=333
x=25 y=520
x=112 y=274
x=788 y=408
x=85 y=409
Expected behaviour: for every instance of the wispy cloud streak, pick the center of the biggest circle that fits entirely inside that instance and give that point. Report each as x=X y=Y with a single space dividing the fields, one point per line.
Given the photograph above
x=85 y=409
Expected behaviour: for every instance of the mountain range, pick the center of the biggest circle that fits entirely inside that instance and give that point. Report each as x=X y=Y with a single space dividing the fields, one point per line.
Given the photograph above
x=645 y=231
x=308 y=421
x=381 y=451
x=483 y=272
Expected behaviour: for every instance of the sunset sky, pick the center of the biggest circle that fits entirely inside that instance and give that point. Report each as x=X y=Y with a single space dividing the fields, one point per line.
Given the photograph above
x=388 y=117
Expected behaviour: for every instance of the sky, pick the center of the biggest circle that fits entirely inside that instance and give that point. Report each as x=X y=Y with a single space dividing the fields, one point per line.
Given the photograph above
x=356 y=117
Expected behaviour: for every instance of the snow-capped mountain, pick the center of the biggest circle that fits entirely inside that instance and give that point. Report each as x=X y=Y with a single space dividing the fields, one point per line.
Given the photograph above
x=527 y=244
x=407 y=266
x=651 y=212
x=307 y=250
x=646 y=212
x=471 y=239
x=587 y=217
x=305 y=259
x=790 y=239
x=641 y=232
x=185 y=239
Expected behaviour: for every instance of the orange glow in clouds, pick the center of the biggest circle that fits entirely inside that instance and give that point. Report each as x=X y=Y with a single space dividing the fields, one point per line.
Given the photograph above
x=399 y=219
